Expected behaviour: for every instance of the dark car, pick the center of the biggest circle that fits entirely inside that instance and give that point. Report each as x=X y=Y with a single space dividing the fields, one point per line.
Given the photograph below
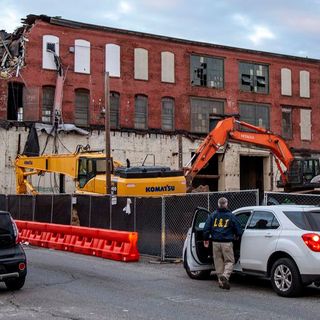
x=13 y=263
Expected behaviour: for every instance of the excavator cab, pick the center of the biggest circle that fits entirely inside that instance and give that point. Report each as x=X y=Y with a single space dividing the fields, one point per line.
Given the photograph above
x=300 y=174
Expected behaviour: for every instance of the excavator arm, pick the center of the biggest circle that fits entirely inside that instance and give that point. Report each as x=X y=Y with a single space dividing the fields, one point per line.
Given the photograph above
x=229 y=129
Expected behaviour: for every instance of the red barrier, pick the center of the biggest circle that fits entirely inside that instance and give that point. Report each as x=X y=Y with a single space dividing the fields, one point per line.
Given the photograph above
x=109 y=244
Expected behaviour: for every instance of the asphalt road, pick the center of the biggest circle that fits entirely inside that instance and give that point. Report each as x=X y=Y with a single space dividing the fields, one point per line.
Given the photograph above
x=62 y=285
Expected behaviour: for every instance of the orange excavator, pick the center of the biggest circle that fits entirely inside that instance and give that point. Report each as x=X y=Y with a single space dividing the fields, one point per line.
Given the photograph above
x=299 y=173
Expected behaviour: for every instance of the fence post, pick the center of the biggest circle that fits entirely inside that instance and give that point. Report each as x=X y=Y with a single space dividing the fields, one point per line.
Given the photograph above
x=134 y=214
x=257 y=197
x=33 y=207
x=71 y=208
x=163 y=230
x=208 y=204
x=51 y=208
x=90 y=211
x=110 y=206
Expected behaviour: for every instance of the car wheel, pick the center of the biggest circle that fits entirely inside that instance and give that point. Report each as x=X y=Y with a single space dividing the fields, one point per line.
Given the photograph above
x=197 y=275
x=15 y=284
x=285 y=278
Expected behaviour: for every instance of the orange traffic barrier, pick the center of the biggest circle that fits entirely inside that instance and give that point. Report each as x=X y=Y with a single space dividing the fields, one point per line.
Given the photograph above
x=108 y=244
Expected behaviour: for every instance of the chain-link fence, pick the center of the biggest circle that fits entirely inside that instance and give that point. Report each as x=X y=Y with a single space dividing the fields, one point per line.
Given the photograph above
x=162 y=223
x=274 y=198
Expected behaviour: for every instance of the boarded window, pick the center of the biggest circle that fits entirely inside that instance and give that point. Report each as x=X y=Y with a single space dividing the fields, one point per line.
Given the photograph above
x=287 y=123
x=31 y=103
x=113 y=60
x=15 y=101
x=201 y=109
x=140 y=64
x=141 y=109
x=286 y=85
x=254 y=77
x=206 y=71
x=167 y=114
x=304 y=84
x=50 y=45
x=305 y=124
x=82 y=56
x=167 y=67
x=114 y=109
x=47 y=103
x=82 y=107
x=256 y=114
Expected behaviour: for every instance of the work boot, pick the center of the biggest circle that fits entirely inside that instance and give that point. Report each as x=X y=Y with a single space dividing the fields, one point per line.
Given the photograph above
x=224 y=283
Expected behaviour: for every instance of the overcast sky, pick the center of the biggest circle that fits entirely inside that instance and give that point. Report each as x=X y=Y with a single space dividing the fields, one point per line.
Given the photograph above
x=282 y=26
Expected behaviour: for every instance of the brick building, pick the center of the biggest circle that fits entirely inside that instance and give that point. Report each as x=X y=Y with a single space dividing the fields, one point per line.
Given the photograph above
x=163 y=85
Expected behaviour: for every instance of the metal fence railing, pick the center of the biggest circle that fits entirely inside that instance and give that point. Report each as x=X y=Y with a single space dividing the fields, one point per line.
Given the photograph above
x=162 y=223
x=274 y=198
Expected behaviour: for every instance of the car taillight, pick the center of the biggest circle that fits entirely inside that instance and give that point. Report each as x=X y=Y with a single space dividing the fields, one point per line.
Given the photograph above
x=22 y=266
x=312 y=240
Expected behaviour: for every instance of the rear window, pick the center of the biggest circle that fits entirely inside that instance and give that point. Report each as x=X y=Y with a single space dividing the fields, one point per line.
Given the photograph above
x=305 y=220
x=5 y=223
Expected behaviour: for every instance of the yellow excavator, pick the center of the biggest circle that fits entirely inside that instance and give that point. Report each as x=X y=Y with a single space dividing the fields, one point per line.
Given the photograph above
x=88 y=169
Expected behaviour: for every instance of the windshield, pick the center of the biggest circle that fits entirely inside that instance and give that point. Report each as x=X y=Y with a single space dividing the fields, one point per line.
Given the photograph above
x=100 y=165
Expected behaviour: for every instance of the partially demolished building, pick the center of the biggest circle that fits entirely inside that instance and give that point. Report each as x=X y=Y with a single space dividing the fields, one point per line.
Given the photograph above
x=165 y=95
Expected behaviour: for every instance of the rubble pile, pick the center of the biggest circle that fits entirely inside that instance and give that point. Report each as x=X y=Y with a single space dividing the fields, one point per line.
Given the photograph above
x=12 y=52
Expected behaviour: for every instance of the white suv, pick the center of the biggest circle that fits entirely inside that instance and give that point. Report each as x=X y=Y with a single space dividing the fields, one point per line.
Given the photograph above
x=279 y=242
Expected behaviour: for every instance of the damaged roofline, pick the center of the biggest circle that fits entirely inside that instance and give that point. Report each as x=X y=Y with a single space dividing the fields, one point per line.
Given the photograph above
x=74 y=24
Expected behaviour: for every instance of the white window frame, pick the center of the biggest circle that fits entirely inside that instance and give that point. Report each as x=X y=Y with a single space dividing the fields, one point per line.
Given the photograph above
x=112 y=59
x=141 y=64
x=82 y=56
x=47 y=56
x=304 y=84
x=286 y=82
x=167 y=67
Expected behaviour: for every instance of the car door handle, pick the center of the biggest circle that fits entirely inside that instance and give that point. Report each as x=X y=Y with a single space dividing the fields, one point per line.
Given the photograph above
x=268 y=235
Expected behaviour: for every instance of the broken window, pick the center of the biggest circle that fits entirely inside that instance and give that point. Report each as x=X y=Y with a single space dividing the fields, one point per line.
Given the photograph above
x=167 y=114
x=47 y=103
x=141 y=112
x=287 y=123
x=15 y=101
x=254 y=77
x=82 y=56
x=206 y=71
x=201 y=109
x=113 y=60
x=50 y=45
x=167 y=67
x=82 y=99
x=140 y=64
x=114 y=110
x=256 y=114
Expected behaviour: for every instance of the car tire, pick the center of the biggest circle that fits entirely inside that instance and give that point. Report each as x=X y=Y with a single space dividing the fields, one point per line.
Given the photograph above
x=285 y=278
x=15 y=284
x=197 y=275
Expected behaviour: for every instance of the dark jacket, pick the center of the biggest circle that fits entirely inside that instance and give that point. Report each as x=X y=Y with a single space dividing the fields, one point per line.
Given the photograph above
x=221 y=226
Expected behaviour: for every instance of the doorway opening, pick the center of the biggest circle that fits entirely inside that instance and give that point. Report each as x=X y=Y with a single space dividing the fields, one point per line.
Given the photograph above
x=15 y=101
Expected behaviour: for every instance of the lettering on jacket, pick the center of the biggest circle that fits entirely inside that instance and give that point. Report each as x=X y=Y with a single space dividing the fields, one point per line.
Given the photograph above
x=221 y=223
x=160 y=189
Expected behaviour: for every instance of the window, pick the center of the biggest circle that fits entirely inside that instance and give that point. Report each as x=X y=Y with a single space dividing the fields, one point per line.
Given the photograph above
x=47 y=103
x=113 y=60
x=206 y=72
x=82 y=107
x=243 y=218
x=82 y=56
x=263 y=220
x=15 y=101
x=255 y=114
x=286 y=88
x=167 y=114
x=254 y=77
x=305 y=124
x=114 y=109
x=140 y=64
x=304 y=84
x=167 y=67
x=287 y=123
x=141 y=108
x=50 y=45
x=201 y=109
x=305 y=220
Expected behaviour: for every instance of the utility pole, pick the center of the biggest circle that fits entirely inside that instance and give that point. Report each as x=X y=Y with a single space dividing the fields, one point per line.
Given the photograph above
x=107 y=132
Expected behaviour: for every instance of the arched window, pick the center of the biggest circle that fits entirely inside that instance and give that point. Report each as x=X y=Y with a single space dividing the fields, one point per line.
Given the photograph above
x=82 y=56
x=140 y=64
x=50 y=46
x=113 y=60
x=286 y=83
x=167 y=67
x=167 y=114
x=141 y=112
x=304 y=84
x=114 y=109
x=47 y=103
x=82 y=100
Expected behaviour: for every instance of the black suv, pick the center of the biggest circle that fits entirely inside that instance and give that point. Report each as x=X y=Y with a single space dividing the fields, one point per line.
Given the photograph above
x=13 y=264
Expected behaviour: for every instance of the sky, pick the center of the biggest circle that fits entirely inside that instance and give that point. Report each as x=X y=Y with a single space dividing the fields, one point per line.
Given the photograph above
x=282 y=26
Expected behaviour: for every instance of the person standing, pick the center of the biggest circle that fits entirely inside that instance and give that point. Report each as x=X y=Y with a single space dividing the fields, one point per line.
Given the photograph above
x=222 y=227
